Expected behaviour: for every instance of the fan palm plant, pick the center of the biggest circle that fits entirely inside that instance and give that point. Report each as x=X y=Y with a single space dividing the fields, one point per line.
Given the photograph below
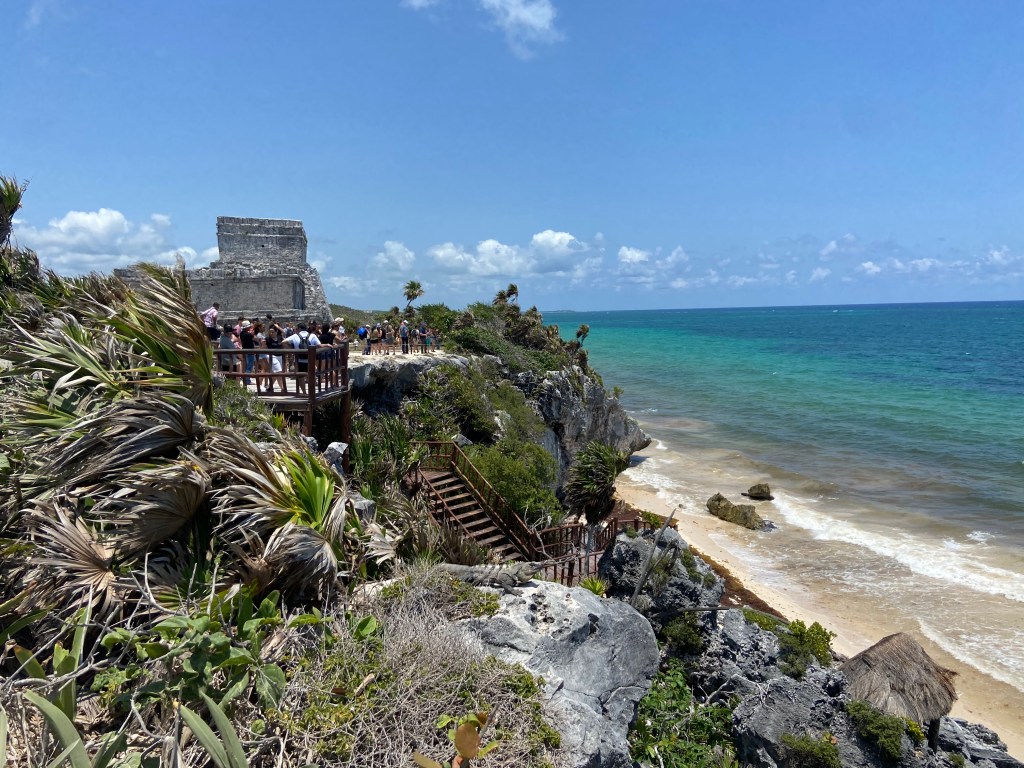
x=290 y=509
x=11 y=193
x=591 y=485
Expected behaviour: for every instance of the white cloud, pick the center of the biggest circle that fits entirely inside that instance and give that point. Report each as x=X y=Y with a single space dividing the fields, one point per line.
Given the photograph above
x=526 y=23
x=629 y=255
x=820 y=274
x=870 y=268
x=924 y=265
x=829 y=249
x=345 y=283
x=395 y=255
x=738 y=281
x=85 y=241
x=490 y=258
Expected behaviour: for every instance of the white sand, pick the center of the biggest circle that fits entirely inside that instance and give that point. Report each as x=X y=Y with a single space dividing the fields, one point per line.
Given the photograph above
x=982 y=699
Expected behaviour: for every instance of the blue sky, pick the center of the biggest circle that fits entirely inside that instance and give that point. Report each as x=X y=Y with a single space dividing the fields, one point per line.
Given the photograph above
x=600 y=154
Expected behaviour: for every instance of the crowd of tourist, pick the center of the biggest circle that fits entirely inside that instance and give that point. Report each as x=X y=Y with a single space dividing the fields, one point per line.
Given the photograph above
x=249 y=336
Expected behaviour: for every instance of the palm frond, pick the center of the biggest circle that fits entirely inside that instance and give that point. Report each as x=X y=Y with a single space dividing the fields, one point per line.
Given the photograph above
x=123 y=434
x=70 y=566
x=151 y=503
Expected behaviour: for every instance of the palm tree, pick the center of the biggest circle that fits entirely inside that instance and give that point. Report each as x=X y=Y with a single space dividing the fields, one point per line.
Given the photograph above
x=11 y=193
x=582 y=332
x=512 y=292
x=412 y=291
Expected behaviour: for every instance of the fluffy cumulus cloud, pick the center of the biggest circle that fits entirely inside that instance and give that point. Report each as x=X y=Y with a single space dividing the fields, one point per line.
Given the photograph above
x=526 y=24
x=394 y=255
x=819 y=273
x=86 y=241
x=548 y=253
x=629 y=255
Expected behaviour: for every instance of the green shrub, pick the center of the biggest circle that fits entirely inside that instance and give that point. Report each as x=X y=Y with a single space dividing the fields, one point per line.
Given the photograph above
x=450 y=400
x=522 y=474
x=595 y=584
x=592 y=480
x=807 y=752
x=957 y=760
x=237 y=408
x=673 y=730
x=882 y=730
x=524 y=424
x=763 y=620
x=683 y=634
x=801 y=645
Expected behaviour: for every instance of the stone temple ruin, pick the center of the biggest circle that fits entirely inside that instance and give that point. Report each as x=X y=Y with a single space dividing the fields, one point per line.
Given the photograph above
x=262 y=268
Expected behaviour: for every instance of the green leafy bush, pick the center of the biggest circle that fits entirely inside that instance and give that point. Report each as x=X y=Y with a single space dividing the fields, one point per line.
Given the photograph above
x=807 y=752
x=451 y=399
x=235 y=407
x=591 y=483
x=522 y=474
x=683 y=634
x=801 y=645
x=763 y=620
x=882 y=730
x=674 y=730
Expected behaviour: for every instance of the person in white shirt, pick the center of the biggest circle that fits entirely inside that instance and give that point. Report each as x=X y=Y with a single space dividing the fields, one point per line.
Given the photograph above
x=301 y=340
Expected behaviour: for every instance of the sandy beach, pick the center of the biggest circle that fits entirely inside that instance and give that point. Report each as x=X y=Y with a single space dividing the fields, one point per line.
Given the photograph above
x=981 y=699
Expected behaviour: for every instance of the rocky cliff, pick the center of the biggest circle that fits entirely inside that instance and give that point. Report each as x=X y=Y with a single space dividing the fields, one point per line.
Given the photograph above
x=575 y=407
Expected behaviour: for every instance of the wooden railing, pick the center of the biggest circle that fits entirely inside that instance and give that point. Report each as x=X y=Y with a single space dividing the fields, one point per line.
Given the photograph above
x=447 y=456
x=307 y=377
x=564 y=547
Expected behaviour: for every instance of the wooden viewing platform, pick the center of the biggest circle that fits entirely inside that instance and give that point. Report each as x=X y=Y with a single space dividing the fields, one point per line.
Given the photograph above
x=308 y=378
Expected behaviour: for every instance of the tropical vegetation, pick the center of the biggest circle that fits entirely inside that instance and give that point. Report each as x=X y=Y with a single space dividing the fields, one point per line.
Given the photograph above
x=175 y=559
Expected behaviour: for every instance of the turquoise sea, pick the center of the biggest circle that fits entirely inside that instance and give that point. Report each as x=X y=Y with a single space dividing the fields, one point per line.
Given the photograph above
x=892 y=437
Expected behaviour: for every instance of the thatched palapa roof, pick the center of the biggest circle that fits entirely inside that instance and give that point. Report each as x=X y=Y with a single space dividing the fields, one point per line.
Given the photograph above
x=897 y=676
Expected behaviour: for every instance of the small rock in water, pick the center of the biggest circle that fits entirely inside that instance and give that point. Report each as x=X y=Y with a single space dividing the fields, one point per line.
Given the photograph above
x=759 y=492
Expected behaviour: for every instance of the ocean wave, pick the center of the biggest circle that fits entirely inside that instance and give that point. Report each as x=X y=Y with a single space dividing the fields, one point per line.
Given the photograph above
x=940 y=561
x=980 y=536
x=1002 y=660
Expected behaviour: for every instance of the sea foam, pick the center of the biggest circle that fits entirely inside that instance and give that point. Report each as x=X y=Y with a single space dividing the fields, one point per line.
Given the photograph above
x=936 y=560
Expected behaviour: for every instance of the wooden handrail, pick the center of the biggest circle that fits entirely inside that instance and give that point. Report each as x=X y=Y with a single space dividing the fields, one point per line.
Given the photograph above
x=449 y=456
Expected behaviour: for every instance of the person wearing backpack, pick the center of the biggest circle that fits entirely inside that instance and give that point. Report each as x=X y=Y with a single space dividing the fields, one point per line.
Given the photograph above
x=403 y=333
x=302 y=340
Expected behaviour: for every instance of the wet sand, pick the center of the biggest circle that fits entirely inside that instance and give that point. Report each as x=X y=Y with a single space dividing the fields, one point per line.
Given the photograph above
x=981 y=699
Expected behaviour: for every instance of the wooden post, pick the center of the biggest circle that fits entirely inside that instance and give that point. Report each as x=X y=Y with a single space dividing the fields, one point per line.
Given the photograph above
x=307 y=425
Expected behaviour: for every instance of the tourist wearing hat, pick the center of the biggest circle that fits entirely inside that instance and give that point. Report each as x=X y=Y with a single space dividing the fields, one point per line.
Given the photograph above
x=403 y=334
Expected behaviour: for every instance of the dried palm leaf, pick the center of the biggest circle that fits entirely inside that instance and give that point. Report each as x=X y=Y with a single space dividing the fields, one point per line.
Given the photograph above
x=70 y=566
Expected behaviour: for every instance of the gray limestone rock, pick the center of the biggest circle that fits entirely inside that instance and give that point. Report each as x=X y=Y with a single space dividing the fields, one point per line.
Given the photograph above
x=739 y=658
x=334 y=454
x=759 y=492
x=740 y=514
x=577 y=410
x=976 y=743
x=382 y=381
x=597 y=658
x=679 y=579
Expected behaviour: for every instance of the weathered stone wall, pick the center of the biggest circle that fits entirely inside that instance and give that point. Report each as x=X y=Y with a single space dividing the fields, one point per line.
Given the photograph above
x=262 y=268
x=242 y=241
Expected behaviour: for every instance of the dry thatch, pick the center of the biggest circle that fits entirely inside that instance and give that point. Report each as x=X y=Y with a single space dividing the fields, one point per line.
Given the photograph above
x=897 y=676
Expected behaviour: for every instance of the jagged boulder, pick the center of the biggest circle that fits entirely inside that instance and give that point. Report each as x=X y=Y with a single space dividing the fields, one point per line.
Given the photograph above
x=678 y=580
x=578 y=410
x=597 y=658
x=739 y=658
x=814 y=707
x=740 y=514
x=975 y=743
x=382 y=381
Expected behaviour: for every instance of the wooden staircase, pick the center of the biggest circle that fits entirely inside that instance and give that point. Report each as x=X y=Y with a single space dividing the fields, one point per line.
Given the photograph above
x=457 y=506
x=462 y=498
